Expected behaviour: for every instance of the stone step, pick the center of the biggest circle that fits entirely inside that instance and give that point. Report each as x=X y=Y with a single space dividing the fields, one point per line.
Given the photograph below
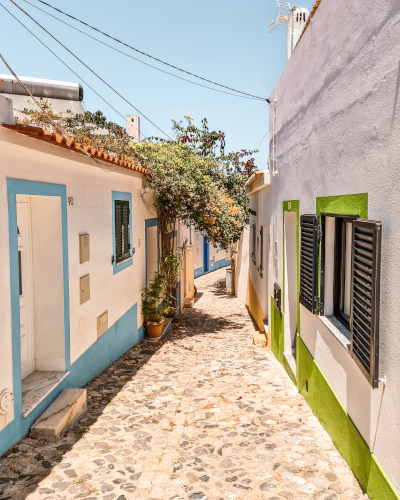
x=69 y=405
x=259 y=338
x=189 y=302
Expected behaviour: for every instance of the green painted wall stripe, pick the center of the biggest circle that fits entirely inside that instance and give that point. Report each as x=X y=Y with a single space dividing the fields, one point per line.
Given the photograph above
x=340 y=427
x=347 y=204
x=320 y=396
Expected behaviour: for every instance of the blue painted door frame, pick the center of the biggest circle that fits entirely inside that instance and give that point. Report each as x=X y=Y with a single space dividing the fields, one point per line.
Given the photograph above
x=151 y=223
x=206 y=256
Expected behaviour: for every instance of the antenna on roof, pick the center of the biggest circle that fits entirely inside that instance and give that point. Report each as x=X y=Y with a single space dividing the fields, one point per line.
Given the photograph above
x=294 y=18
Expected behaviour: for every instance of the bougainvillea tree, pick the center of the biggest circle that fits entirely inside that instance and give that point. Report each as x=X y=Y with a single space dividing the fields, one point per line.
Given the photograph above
x=193 y=178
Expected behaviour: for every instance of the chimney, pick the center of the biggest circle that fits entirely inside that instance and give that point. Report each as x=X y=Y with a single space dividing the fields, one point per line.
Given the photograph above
x=133 y=127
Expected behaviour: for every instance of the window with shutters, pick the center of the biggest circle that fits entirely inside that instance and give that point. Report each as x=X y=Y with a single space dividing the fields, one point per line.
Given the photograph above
x=309 y=262
x=261 y=251
x=122 y=230
x=342 y=269
x=365 y=291
x=350 y=284
x=254 y=236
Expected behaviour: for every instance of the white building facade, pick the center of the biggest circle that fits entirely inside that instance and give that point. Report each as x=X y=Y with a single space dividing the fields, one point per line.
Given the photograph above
x=324 y=243
x=78 y=245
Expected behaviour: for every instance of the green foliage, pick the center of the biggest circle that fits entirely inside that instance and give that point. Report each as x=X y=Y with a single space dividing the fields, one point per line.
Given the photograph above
x=193 y=177
x=159 y=299
x=195 y=180
x=152 y=298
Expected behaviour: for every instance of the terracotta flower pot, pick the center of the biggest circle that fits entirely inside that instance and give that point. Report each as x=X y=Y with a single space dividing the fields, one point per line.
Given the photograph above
x=153 y=331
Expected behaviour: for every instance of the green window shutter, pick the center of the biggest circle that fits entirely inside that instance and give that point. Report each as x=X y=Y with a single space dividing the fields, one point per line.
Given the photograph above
x=364 y=313
x=122 y=230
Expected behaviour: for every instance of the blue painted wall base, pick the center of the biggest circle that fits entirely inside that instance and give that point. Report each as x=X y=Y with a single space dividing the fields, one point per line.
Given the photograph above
x=119 y=338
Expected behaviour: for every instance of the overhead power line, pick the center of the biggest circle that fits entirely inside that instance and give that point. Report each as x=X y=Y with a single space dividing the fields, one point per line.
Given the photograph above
x=139 y=60
x=152 y=57
x=262 y=139
x=98 y=76
x=56 y=125
x=65 y=64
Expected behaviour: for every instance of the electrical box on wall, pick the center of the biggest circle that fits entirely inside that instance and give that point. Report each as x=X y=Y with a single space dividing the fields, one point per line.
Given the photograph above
x=85 y=288
x=102 y=324
x=84 y=248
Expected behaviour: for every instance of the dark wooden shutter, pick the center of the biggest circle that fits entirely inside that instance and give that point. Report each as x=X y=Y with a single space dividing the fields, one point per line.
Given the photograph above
x=122 y=230
x=365 y=290
x=253 y=253
x=309 y=262
x=261 y=250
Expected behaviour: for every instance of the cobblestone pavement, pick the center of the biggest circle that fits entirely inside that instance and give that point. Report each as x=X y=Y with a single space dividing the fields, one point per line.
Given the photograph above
x=206 y=415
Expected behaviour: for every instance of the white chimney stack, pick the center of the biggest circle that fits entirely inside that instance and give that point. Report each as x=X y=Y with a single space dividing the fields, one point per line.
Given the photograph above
x=297 y=20
x=133 y=127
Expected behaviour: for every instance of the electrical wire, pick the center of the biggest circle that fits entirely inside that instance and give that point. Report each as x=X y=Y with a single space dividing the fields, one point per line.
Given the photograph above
x=138 y=60
x=263 y=139
x=64 y=134
x=65 y=64
x=98 y=76
x=152 y=57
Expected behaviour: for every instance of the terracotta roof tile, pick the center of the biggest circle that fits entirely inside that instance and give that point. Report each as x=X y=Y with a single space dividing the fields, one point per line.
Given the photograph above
x=58 y=140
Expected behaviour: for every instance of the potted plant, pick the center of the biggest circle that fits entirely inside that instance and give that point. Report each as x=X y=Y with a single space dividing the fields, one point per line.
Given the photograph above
x=152 y=312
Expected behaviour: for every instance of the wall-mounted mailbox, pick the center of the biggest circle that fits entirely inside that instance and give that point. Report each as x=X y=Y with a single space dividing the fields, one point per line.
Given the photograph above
x=85 y=288
x=277 y=297
x=102 y=324
x=84 y=248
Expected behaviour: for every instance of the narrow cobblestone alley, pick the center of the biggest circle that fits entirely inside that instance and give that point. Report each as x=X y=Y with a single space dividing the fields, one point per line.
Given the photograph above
x=206 y=415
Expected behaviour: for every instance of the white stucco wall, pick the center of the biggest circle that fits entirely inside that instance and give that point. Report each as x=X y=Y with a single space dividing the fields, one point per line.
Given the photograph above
x=91 y=213
x=338 y=132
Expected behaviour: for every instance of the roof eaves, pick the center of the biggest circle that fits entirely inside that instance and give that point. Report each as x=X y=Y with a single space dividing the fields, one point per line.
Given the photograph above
x=60 y=141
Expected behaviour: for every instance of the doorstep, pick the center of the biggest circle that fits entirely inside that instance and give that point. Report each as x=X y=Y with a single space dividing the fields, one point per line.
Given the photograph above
x=291 y=361
x=259 y=338
x=37 y=386
x=63 y=412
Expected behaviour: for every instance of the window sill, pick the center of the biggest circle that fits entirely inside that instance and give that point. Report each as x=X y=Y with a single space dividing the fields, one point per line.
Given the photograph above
x=339 y=331
x=122 y=265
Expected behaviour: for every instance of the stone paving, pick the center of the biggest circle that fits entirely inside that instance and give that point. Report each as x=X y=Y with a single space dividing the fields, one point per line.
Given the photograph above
x=205 y=415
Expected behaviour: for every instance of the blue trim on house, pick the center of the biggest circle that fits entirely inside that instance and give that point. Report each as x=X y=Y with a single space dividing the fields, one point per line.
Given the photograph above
x=219 y=263
x=151 y=223
x=119 y=338
x=199 y=272
x=129 y=261
x=209 y=266
x=206 y=255
x=23 y=187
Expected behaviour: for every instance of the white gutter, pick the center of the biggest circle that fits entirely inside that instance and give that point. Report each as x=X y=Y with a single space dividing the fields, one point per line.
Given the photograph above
x=263 y=175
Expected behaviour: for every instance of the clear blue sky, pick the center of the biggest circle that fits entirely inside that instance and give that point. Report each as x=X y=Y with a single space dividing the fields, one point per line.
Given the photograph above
x=225 y=41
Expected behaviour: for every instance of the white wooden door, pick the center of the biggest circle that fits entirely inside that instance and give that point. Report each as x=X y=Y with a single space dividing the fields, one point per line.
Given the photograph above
x=25 y=288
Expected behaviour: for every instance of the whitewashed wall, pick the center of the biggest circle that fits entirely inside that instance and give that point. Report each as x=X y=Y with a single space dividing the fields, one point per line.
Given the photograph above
x=91 y=189
x=338 y=132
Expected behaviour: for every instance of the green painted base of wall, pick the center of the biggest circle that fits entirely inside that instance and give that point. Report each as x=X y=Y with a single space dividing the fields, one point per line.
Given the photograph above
x=277 y=338
x=322 y=400
x=345 y=436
